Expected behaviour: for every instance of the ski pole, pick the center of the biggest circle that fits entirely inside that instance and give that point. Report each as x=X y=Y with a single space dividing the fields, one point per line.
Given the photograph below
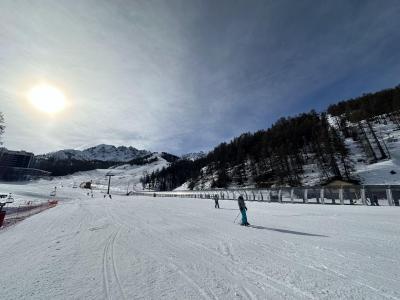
x=236 y=217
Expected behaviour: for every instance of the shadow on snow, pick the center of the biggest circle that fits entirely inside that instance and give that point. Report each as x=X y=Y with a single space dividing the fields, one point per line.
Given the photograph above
x=287 y=231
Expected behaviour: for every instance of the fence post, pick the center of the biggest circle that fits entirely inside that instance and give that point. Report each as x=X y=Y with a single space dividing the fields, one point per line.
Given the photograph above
x=341 y=195
x=322 y=195
x=363 y=199
x=389 y=196
x=292 y=195
x=305 y=198
x=262 y=198
x=280 y=196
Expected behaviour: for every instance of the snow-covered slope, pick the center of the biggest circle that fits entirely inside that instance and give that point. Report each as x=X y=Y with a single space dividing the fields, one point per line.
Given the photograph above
x=126 y=177
x=174 y=248
x=101 y=152
x=193 y=156
x=385 y=171
x=366 y=170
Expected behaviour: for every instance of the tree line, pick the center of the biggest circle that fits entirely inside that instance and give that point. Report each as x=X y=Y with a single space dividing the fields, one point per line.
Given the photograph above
x=278 y=155
x=368 y=106
x=273 y=156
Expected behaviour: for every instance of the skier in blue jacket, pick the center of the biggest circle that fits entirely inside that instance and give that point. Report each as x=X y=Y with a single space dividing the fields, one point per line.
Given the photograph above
x=216 y=201
x=243 y=209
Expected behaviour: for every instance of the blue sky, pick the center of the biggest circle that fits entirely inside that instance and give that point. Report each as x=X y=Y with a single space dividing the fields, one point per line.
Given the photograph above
x=183 y=76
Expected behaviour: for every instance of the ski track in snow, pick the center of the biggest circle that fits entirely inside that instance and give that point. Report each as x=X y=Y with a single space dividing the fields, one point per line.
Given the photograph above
x=174 y=248
x=110 y=271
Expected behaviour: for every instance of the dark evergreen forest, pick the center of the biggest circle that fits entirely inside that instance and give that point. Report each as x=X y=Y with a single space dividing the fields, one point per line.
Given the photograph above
x=278 y=155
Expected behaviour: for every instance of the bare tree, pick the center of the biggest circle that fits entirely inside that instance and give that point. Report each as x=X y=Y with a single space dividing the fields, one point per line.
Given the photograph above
x=2 y=127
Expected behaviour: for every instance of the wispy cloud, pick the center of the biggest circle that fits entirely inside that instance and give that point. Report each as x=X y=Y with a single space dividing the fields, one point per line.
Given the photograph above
x=184 y=75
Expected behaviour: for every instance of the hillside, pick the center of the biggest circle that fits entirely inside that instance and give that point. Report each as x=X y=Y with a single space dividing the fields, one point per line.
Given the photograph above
x=355 y=140
x=127 y=178
x=69 y=161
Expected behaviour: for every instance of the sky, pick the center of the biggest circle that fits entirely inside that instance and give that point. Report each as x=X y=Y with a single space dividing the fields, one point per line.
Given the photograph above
x=184 y=76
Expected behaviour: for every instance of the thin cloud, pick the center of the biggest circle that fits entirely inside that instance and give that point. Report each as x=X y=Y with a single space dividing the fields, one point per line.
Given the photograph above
x=182 y=76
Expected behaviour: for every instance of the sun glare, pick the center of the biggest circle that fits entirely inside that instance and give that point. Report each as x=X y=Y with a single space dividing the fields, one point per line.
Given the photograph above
x=47 y=98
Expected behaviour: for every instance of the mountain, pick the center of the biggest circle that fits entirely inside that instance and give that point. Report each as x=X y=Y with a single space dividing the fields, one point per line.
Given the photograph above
x=357 y=140
x=98 y=153
x=69 y=161
x=193 y=156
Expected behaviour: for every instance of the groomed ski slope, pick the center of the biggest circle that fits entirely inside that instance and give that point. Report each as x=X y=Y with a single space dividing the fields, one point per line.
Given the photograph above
x=175 y=248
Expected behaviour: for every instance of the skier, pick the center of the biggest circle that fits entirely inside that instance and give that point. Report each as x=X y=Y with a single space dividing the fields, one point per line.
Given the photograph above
x=216 y=201
x=243 y=209
x=374 y=201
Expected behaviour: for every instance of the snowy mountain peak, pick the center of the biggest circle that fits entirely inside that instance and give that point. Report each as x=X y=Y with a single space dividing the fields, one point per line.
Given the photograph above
x=100 y=152
x=193 y=156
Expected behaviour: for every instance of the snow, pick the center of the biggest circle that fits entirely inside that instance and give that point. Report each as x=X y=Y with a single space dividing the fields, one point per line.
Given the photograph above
x=379 y=173
x=34 y=192
x=127 y=178
x=132 y=247
x=368 y=174
x=193 y=156
x=183 y=187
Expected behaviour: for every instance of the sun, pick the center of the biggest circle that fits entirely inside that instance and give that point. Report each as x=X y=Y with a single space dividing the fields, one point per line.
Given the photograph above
x=47 y=98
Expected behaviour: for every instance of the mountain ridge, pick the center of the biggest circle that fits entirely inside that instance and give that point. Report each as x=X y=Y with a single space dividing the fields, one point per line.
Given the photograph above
x=101 y=152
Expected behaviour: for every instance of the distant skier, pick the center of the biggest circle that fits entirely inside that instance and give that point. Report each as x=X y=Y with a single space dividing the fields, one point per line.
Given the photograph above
x=243 y=209
x=374 y=201
x=216 y=201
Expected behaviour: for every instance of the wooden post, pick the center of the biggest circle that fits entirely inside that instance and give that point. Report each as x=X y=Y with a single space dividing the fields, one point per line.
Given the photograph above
x=341 y=195
x=305 y=199
x=363 y=199
x=322 y=194
x=389 y=196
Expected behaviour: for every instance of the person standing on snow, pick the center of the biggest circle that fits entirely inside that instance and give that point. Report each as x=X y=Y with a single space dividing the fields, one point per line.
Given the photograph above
x=216 y=201
x=243 y=209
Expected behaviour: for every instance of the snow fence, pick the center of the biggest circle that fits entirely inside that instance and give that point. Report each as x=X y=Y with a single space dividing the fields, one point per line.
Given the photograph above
x=378 y=195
